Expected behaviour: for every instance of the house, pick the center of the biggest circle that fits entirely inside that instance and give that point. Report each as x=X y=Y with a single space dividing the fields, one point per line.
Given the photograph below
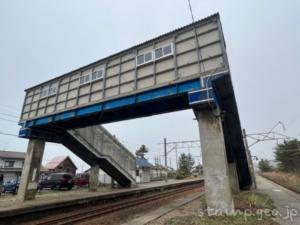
x=158 y=172
x=61 y=164
x=104 y=178
x=11 y=164
x=143 y=168
x=197 y=171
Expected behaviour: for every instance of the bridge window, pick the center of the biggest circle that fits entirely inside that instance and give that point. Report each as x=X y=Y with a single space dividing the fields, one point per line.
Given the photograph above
x=48 y=91
x=155 y=54
x=148 y=57
x=84 y=79
x=52 y=90
x=44 y=93
x=96 y=75
x=81 y=80
x=164 y=51
x=158 y=53
x=140 y=59
x=144 y=58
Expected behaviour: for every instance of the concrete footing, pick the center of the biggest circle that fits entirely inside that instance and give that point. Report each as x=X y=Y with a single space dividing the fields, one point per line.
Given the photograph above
x=94 y=178
x=31 y=170
x=218 y=191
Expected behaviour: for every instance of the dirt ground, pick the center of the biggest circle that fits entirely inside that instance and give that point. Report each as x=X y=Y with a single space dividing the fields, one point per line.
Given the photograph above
x=191 y=209
x=193 y=213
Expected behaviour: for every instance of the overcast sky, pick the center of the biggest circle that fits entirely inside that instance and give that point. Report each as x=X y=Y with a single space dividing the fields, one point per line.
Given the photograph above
x=40 y=40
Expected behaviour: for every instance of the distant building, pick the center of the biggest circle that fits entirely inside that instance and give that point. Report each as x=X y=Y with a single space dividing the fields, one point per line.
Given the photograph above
x=197 y=171
x=158 y=172
x=61 y=164
x=104 y=178
x=11 y=164
x=143 y=168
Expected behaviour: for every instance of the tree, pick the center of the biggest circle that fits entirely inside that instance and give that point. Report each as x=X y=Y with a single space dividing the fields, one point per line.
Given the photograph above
x=186 y=163
x=264 y=165
x=141 y=151
x=287 y=154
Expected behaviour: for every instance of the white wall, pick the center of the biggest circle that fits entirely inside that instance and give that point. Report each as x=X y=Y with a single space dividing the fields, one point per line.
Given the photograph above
x=104 y=178
x=18 y=163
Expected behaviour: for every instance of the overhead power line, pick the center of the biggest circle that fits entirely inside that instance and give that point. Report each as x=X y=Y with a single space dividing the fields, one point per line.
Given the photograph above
x=9 y=108
x=8 y=134
x=191 y=11
x=8 y=120
x=9 y=115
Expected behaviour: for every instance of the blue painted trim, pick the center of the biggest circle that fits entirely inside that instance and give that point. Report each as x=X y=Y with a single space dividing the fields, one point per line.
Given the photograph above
x=44 y=120
x=160 y=93
x=201 y=96
x=189 y=86
x=65 y=115
x=119 y=103
x=24 y=132
x=89 y=110
x=163 y=92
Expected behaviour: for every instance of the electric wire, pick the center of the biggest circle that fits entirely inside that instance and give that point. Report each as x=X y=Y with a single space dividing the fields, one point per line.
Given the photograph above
x=199 y=55
x=8 y=120
x=9 y=115
x=8 y=134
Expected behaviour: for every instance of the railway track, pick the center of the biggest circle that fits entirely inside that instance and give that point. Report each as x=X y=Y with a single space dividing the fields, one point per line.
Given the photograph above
x=86 y=214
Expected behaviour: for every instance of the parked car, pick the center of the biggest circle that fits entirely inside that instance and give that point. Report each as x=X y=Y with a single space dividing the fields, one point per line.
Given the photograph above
x=57 y=181
x=81 y=179
x=11 y=186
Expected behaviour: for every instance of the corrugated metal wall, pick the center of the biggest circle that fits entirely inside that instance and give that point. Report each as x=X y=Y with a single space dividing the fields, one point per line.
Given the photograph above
x=169 y=59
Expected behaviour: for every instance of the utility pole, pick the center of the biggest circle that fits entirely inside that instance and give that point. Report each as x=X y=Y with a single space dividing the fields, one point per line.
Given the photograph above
x=176 y=157
x=249 y=158
x=166 y=163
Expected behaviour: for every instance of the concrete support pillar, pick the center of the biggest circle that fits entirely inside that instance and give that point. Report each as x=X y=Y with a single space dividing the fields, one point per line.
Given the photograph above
x=31 y=170
x=234 y=180
x=94 y=178
x=218 y=192
x=112 y=183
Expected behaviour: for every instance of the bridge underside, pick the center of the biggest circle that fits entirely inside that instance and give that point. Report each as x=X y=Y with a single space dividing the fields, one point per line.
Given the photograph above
x=189 y=95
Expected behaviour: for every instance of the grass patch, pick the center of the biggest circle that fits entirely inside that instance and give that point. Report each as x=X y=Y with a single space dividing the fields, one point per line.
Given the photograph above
x=249 y=211
x=288 y=180
x=253 y=201
x=218 y=220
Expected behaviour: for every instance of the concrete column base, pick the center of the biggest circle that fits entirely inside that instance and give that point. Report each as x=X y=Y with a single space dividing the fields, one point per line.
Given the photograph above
x=234 y=181
x=31 y=170
x=94 y=178
x=218 y=192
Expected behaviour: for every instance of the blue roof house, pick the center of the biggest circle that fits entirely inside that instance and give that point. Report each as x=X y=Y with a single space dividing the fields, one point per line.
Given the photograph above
x=143 y=168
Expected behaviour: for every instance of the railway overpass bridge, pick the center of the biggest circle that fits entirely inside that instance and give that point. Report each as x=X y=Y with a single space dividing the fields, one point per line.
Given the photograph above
x=184 y=69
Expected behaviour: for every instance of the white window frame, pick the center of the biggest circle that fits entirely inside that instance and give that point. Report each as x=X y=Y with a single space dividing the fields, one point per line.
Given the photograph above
x=84 y=79
x=55 y=90
x=165 y=55
x=143 y=54
x=42 y=95
x=153 y=54
x=98 y=78
x=90 y=75
x=47 y=90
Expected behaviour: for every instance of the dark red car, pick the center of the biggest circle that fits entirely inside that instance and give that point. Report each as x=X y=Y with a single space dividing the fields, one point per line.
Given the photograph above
x=81 y=179
x=57 y=181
